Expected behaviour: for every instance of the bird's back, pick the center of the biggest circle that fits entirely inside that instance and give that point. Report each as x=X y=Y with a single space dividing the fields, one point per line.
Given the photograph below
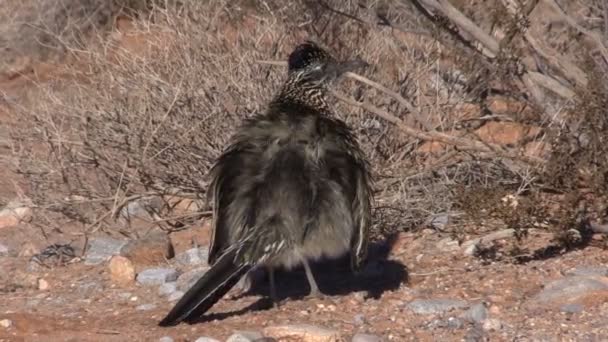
x=296 y=165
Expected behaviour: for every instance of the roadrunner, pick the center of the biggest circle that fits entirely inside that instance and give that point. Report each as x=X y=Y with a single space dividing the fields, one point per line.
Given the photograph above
x=293 y=186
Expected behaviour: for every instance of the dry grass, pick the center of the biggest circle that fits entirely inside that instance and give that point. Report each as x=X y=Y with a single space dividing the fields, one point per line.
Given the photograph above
x=145 y=111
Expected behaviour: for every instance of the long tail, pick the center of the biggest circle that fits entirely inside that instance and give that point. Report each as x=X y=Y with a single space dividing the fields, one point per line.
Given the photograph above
x=212 y=286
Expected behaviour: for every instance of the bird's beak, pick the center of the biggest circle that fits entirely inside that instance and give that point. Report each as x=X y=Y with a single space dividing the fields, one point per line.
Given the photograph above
x=340 y=68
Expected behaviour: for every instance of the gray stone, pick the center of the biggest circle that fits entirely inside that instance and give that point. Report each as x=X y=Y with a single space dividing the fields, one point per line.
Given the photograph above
x=165 y=339
x=157 y=276
x=366 y=338
x=145 y=307
x=433 y=306
x=187 y=279
x=601 y=271
x=572 y=308
x=100 y=250
x=4 y=251
x=245 y=336
x=440 y=221
x=569 y=288
x=175 y=296
x=167 y=288
x=359 y=319
x=476 y=313
x=194 y=257
x=206 y=339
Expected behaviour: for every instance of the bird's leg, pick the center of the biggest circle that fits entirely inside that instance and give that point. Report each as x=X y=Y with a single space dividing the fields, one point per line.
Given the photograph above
x=273 y=288
x=314 y=288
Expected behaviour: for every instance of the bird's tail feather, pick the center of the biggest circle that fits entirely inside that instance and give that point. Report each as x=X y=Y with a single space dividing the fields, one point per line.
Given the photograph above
x=222 y=276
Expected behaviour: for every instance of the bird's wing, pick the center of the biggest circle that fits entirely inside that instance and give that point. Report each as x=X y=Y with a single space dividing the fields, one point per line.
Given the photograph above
x=355 y=178
x=231 y=201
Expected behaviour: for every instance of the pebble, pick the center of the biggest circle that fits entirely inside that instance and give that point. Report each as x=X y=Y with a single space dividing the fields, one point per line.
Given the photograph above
x=492 y=324
x=146 y=307
x=157 y=276
x=151 y=249
x=303 y=333
x=100 y=250
x=4 y=251
x=245 y=336
x=433 y=306
x=187 y=279
x=366 y=338
x=43 y=285
x=359 y=319
x=175 y=296
x=165 y=339
x=6 y=323
x=206 y=339
x=14 y=212
x=476 y=313
x=194 y=257
x=122 y=271
x=569 y=288
x=167 y=288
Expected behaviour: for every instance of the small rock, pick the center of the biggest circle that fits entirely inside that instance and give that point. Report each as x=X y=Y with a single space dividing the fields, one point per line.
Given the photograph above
x=175 y=296
x=193 y=257
x=167 y=288
x=122 y=271
x=440 y=221
x=245 y=336
x=157 y=276
x=152 y=249
x=3 y=250
x=359 y=319
x=165 y=339
x=145 y=307
x=187 y=279
x=492 y=324
x=14 y=213
x=102 y=249
x=600 y=271
x=303 y=332
x=433 y=306
x=448 y=245
x=570 y=288
x=366 y=338
x=476 y=313
x=43 y=285
x=572 y=308
x=6 y=323
x=28 y=250
x=206 y=339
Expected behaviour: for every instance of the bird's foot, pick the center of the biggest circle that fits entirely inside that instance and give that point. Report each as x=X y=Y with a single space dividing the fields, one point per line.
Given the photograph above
x=316 y=294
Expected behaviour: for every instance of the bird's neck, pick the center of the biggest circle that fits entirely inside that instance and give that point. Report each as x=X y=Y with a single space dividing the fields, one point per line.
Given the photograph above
x=312 y=96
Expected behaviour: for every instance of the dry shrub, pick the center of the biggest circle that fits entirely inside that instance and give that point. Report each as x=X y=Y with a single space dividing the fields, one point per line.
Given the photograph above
x=141 y=121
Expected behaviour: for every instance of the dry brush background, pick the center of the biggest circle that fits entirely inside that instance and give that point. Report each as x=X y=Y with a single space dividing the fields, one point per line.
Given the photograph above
x=476 y=115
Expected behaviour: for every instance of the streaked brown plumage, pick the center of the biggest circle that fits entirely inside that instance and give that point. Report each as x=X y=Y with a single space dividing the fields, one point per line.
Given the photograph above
x=292 y=186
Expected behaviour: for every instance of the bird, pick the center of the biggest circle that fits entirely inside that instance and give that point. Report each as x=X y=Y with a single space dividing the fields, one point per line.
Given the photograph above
x=293 y=185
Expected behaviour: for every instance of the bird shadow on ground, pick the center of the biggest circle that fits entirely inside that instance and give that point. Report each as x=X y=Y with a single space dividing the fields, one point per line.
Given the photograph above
x=334 y=278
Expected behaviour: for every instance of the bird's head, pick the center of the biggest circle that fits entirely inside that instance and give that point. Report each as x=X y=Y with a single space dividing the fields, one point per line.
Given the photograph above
x=309 y=63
